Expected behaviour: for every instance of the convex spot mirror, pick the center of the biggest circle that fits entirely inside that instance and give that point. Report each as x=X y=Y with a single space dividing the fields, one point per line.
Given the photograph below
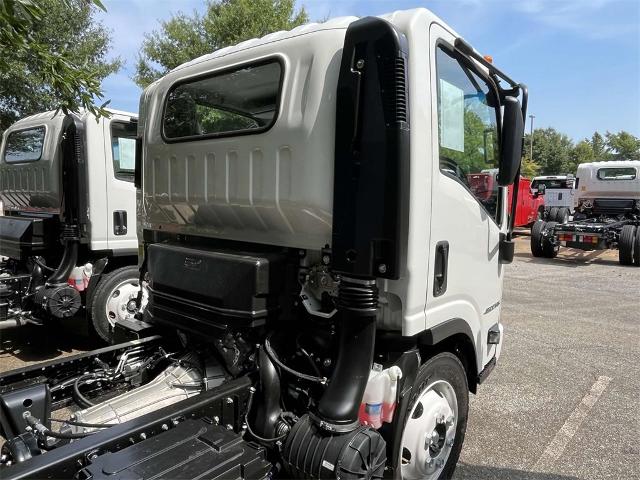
x=511 y=145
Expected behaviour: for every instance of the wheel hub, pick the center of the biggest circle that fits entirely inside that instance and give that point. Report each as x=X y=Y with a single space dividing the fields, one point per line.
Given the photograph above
x=429 y=433
x=121 y=304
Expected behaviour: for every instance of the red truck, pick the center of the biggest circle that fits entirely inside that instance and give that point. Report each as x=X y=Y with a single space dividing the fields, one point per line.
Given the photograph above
x=530 y=205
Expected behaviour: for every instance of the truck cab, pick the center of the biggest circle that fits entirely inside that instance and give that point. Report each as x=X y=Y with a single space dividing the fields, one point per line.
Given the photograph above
x=68 y=233
x=324 y=287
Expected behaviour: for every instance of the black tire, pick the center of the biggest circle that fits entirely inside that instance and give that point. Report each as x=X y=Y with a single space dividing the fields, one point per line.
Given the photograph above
x=553 y=214
x=636 y=249
x=563 y=215
x=626 y=244
x=536 y=238
x=444 y=366
x=106 y=288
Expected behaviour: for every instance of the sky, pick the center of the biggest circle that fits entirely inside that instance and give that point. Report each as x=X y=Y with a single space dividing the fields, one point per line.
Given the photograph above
x=579 y=58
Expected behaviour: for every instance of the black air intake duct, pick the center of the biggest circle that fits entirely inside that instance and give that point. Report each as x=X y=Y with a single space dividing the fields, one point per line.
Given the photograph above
x=371 y=150
x=357 y=304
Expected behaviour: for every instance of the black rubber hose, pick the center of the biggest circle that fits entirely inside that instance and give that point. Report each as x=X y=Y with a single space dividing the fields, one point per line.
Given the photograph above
x=68 y=262
x=83 y=424
x=64 y=436
x=246 y=421
x=268 y=406
x=274 y=358
x=77 y=395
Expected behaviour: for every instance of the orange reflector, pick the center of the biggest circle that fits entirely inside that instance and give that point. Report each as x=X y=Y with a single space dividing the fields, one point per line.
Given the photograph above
x=488 y=58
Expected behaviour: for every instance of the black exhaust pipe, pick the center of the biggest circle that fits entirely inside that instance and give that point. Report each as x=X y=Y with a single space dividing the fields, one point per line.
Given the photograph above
x=357 y=304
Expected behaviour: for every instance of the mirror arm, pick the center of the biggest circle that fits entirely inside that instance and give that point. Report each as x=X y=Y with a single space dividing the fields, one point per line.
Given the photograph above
x=514 y=206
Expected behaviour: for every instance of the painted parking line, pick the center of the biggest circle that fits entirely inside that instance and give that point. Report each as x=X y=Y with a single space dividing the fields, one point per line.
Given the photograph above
x=556 y=447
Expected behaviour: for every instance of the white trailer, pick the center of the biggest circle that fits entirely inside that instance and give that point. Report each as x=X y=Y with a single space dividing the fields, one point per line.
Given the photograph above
x=68 y=231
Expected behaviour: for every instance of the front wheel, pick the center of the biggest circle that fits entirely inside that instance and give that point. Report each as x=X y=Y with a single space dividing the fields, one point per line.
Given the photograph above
x=436 y=420
x=115 y=299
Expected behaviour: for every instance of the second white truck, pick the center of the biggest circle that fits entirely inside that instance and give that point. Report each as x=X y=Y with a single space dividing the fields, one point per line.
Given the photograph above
x=607 y=213
x=68 y=230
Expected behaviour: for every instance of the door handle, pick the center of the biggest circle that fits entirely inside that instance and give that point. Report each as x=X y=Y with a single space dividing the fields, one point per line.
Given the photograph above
x=120 y=222
x=441 y=267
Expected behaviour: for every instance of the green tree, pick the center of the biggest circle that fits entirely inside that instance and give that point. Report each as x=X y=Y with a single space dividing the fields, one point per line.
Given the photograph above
x=582 y=153
x=225 y=22
x=53 y=57
x=551 y=150
x=529 y=168
x=599 y=147
x=623 y=145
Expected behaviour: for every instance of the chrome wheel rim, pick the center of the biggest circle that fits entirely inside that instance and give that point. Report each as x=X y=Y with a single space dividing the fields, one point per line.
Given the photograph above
x=430 y=431
x=121 y=302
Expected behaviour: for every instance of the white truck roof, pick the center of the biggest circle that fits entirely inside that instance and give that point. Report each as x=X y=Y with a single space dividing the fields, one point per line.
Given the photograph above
x=53 y=115
x=338 y=23
x=592 y=183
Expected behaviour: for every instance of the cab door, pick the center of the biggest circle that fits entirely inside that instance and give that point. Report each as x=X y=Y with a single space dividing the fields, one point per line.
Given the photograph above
x=465 y=280
x=119 y=148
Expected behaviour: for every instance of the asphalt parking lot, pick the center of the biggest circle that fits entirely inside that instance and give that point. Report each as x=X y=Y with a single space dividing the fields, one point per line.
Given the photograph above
x=564 y=400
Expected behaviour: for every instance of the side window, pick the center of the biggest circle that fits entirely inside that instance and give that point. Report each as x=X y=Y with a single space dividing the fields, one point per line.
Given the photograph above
x=243 y=100
x=467 y=129
x=123 y=149
x=24 y=145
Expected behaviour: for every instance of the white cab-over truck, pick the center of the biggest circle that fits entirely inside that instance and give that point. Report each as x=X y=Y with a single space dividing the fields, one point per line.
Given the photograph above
x=68 y=233
x=324 y=286
x=607 y=213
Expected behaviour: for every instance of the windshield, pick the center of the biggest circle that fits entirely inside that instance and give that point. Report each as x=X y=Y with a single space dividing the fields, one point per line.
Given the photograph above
x=552 y=183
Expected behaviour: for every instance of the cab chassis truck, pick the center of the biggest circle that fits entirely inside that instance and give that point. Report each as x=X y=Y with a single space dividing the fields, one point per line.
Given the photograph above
x=297 y=226
x=607 y=214
x=68 y=245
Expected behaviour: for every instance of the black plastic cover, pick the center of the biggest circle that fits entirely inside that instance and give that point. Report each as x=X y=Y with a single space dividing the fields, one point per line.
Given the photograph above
x=194 y=449
x=198 y=288
x=371 y=147
x=21 y=237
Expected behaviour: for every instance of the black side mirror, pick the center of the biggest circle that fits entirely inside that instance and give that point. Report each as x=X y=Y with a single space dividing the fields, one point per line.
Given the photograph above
x=511 y=145
x=541 y=189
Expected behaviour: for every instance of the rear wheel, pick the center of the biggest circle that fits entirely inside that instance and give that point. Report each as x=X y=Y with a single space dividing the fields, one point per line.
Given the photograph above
x=563 y=215
x=553 y=213
x=541 y=245
x=626 y=245
x=536 y=238
x=436 y=420
x=114 y=299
